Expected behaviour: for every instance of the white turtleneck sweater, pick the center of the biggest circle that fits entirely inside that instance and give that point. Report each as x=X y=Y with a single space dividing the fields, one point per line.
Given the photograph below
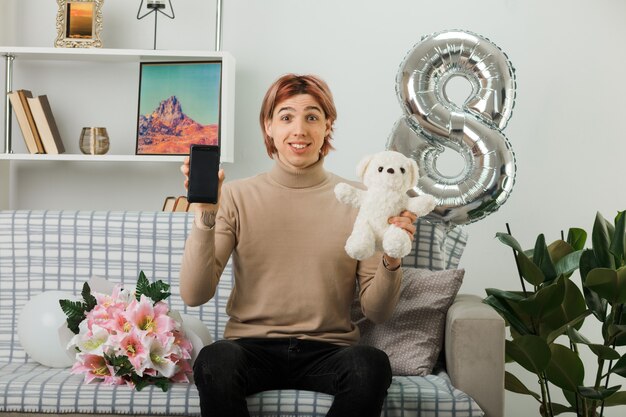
x=286 y=232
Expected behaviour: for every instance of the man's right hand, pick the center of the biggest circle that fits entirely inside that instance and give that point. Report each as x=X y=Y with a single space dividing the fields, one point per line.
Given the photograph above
x=204 y=213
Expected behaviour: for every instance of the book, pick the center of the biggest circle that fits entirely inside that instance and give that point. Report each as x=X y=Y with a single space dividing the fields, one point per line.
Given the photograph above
x=19 y=103
x=169 y=204
x=46 y=125
x=181 y=204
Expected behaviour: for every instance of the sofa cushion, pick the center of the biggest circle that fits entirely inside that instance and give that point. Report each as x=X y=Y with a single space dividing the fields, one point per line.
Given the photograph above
x=413 y=336
x=33 y=388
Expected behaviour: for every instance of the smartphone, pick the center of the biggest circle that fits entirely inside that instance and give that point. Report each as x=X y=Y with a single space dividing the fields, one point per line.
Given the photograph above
x=204 y=163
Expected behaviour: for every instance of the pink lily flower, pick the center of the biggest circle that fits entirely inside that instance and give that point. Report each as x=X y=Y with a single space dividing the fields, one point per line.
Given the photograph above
x=93 y=366
x=183 y=370
x=119 y=323
x=184 y=344
x=149 y=318
x=93 y=342
x=132 y=346
x=98 y=315
x=159 y=356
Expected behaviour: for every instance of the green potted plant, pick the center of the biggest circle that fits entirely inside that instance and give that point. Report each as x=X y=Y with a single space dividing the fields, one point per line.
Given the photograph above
x=546 y=316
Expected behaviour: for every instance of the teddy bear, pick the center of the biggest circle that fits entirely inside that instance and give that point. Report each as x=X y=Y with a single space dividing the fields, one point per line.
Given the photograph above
x=388 y=176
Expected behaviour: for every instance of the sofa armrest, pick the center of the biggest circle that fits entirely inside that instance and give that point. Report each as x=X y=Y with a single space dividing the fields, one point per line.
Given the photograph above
x=474 y=348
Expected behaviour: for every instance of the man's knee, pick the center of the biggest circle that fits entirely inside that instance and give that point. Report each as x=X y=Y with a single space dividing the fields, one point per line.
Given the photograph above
x=370 y=366
x=218 y=361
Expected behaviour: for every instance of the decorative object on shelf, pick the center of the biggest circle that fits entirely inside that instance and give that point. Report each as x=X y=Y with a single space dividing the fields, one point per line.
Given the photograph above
x=46 y=125
x=181 y=204
x=156 y=7
x=94 y=140
x=179 y=105
x=177 y=204
x=169 y=203
x=129 y=336
x=25 y=119
x=432 y=123
x=547 y=320
x=79 y=24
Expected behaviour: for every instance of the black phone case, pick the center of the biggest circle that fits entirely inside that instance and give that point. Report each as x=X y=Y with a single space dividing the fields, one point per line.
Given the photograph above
x=204 y=161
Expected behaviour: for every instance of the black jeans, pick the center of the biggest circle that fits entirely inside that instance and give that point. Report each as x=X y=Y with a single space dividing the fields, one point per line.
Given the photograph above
x=227 y=371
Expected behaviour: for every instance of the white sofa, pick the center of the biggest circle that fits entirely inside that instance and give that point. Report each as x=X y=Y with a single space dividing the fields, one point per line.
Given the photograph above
x=60 y=250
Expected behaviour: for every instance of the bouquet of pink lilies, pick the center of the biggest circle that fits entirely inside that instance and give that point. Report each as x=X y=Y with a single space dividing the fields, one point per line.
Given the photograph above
x=128 y=337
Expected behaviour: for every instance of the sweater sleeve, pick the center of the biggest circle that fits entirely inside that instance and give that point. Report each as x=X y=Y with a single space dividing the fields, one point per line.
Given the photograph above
x=206 y=253
x=379 y=288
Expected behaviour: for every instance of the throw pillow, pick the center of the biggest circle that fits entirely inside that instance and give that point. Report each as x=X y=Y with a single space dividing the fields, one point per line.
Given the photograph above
x=436 y=247
x=413 y=335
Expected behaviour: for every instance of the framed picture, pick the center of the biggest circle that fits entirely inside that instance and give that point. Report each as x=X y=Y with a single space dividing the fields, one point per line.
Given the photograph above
x=179 y=105
x=79 y=23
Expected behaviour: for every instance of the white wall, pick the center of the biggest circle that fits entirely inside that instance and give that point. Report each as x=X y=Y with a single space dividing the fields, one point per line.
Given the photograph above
x=565 y=128
x=7 y=29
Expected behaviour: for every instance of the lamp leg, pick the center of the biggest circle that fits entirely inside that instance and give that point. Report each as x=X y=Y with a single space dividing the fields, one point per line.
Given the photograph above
x=155 y=29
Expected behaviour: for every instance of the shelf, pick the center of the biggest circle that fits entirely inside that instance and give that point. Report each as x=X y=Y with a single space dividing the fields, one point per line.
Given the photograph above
x=122 y=56
x=110 y=55
x=89 y=158
x=81 y=71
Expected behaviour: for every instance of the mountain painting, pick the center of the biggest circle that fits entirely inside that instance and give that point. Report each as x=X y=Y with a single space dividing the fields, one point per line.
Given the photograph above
x=179 y=105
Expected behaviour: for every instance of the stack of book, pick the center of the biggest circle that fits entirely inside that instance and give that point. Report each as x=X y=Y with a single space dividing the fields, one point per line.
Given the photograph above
x=179 y=203
x=36 y=122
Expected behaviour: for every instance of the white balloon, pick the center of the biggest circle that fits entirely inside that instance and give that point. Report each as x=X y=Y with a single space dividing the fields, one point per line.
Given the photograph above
x=198 y=334
x=38 y=329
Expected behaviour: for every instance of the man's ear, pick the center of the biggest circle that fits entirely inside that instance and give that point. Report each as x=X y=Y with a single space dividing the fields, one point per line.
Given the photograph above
x=362 y=166
x=268 y=128
x=328 y=127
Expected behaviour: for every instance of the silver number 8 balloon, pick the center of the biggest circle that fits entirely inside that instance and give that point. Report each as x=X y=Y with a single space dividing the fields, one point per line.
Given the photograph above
x=432 y=123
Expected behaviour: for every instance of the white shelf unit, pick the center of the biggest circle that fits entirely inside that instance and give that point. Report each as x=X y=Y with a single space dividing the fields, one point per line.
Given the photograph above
x=95 y=158
x=102 y=56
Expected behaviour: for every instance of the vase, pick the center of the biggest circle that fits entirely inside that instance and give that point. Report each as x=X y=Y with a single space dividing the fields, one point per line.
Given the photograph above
x=94 y=141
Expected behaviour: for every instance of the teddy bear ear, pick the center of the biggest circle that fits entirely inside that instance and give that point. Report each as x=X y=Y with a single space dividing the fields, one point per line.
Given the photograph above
x=414 y=172
x=362 y=166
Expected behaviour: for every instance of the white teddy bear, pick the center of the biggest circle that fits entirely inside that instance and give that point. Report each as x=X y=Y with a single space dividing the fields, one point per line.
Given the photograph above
x=388 y=176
